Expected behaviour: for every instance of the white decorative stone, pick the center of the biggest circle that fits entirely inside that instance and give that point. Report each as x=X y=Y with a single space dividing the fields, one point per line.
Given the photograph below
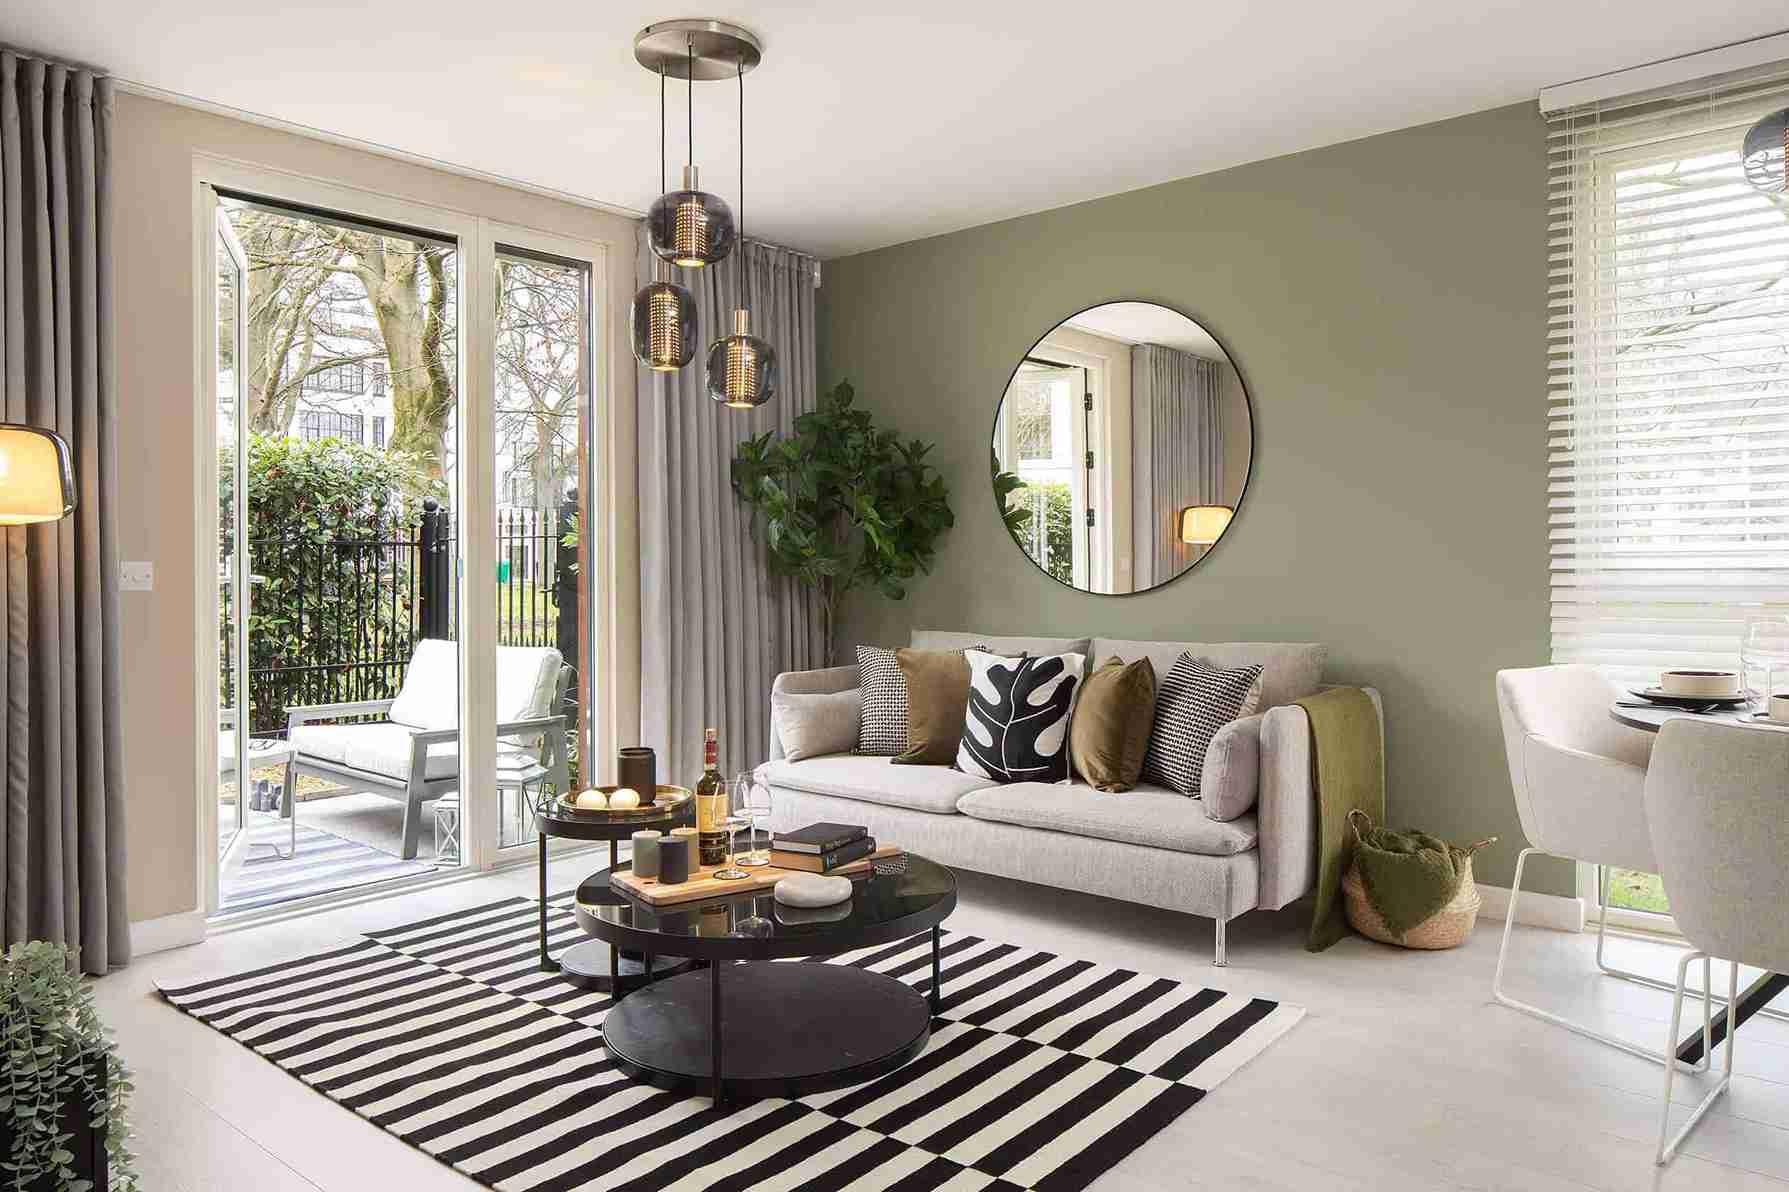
x=623 y=799
x=812 y=889
x=593 y=800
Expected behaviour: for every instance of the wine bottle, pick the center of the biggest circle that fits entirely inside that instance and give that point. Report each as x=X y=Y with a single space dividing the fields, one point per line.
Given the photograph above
x=711 y=804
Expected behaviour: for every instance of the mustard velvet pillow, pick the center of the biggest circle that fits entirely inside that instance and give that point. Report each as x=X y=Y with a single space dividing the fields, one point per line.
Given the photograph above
x=1110 y=731
x=937 y=698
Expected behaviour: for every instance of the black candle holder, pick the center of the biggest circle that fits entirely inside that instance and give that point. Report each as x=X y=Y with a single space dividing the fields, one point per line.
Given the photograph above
x=636 y=767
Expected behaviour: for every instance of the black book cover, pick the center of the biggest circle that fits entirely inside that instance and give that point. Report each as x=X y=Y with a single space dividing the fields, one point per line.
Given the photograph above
x=818 y=838
x=826 y=862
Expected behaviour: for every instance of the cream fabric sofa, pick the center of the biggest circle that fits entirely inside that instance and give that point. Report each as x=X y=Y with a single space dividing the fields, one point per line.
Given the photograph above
x=1148 y=845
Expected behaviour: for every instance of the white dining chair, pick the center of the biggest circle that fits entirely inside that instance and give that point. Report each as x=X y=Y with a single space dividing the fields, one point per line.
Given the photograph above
x=1715 y=811
x=1579 y=780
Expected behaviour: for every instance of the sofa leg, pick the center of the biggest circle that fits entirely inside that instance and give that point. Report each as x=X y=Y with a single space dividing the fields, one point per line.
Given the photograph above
x=1218 y=959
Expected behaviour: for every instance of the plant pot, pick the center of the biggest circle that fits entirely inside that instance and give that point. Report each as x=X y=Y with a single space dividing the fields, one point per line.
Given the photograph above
x=87 y=1141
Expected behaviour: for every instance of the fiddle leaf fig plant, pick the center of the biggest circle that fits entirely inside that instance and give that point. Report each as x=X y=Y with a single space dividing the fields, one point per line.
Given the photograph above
x=842 y=504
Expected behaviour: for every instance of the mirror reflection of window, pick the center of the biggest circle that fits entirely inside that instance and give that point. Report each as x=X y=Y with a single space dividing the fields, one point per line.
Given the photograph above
x=1116 y=421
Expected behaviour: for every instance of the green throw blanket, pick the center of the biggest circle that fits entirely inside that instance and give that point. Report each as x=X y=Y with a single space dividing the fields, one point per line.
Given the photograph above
x=1348 y=768
x=1408 y=876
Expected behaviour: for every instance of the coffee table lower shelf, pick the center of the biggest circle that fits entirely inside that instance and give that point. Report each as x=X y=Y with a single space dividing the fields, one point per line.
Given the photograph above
x=785 y=1029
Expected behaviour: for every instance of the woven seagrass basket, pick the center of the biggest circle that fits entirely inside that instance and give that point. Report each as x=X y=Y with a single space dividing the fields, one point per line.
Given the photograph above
x=1446 y=928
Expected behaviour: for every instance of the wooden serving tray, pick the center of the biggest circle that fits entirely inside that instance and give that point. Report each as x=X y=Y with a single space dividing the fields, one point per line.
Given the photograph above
x=703 y=883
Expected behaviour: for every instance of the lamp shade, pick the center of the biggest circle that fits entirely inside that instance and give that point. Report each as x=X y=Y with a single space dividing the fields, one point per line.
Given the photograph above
x=664 y=326
x=741 y=367
x=1766 y=150
x=1203 y=525
x=690 y=228
x=37 y=480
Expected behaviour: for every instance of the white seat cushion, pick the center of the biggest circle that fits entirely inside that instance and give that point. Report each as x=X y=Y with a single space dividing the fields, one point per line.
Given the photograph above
x=527 y=677
x=1148 y=815
x=876 y=780
x=377 y=748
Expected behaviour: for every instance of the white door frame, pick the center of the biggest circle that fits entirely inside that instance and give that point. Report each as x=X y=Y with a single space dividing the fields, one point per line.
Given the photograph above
x=476 y=515
x=597 y=586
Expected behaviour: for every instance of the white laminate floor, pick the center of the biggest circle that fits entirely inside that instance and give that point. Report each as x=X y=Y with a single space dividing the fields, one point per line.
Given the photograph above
x=1403 y=1075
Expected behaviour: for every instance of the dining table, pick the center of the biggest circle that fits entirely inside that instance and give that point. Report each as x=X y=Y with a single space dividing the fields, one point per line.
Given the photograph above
x=1650 y=717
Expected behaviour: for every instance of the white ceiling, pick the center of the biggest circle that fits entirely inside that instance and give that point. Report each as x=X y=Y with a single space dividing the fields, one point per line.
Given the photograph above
x=1146 y=323
x=868 y=125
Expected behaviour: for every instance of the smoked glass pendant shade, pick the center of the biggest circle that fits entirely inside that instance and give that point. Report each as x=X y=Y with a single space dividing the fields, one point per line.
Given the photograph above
x=741 y=367
x=1767 y=154
x=664 y=322
x=690 y=227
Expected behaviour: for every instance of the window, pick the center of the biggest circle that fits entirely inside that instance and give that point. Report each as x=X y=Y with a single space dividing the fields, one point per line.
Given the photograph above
x=1668 y=345
x=378 y=431
x=329 y=424
x=1669 y=348
x=341 y=378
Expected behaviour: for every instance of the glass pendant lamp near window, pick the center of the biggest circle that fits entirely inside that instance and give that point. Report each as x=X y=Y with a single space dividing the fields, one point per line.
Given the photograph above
x=741 y=367
x=1767 y=154
x=664 y=313
x=690 y=228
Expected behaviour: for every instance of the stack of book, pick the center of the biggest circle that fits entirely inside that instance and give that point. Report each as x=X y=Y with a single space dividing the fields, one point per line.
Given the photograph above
x=821 y=848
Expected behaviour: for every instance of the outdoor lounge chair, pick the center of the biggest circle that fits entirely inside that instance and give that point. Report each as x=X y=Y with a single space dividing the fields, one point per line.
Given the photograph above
x=412 y=755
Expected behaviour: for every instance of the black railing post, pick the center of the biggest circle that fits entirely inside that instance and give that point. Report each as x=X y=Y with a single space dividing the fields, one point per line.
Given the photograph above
x=434 y=551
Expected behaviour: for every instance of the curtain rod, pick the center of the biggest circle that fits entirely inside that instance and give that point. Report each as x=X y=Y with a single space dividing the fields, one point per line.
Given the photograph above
x=1667 y=72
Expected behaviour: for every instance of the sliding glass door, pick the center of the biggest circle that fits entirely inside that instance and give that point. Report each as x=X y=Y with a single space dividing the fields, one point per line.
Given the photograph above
x=229 y=275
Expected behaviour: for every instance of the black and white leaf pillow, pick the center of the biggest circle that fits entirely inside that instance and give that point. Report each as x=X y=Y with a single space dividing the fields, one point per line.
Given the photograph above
x=1191 y=705
x=1016 y=727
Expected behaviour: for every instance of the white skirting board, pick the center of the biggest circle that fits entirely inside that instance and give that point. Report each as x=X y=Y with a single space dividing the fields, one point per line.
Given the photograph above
x=169 y=931
x=1535 y=910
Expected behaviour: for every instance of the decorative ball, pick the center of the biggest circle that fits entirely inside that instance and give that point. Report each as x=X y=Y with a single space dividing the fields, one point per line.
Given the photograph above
x=593 y=801
x=812 y=889
x=623 y=799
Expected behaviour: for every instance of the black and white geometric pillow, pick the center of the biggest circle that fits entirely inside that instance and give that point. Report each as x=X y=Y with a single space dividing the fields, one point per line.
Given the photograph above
x=1016 y=726
x=882 y=732
x=1191 y=705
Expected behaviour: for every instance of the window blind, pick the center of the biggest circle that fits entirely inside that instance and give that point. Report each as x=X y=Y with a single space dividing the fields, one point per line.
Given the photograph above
x=1668 y=347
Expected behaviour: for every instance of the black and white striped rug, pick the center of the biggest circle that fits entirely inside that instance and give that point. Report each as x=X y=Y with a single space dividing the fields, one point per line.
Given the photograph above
x=1042 y=1071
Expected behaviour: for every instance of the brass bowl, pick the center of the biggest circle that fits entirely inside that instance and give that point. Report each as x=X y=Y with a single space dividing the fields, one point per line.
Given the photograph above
x=665 y=800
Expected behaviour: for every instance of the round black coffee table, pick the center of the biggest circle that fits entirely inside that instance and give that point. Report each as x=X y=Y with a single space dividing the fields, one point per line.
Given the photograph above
x=750 y=1027
x=592 y=964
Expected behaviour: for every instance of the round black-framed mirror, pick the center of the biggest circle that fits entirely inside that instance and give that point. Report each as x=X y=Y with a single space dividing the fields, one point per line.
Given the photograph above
x=1122 y=447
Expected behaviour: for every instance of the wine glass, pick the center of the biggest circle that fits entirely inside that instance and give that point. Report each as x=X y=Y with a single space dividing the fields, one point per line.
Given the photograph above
x=733 y=822
x=1764 y=654
x=753 y=799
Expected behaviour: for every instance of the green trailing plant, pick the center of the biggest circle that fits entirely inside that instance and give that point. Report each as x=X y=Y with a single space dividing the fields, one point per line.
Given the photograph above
x=1016 y=517
x=842 y=504
x=55 y=1046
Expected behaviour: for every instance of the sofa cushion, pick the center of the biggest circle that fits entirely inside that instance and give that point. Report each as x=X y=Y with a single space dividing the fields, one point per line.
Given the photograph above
x=1110 y=732
x=1231 y=782
x=818 y=724
x=1192 y=703
x=377 y=748
x=937 y=683
x=1012 y=647
x=876 y=780
x=1289 y=670
x=1016 y=726
x=527 y=677
x=1145 y=815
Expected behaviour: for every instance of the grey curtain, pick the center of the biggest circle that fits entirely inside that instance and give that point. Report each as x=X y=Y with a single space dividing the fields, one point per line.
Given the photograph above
x=715 y=627
x=62 y=830
x=1177 y=455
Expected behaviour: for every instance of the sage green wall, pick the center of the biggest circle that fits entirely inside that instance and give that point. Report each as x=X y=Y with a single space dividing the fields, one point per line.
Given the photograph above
x=1385 y=301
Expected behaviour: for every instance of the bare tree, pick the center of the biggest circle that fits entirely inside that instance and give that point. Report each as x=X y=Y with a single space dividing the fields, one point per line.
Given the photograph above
x=540 y=346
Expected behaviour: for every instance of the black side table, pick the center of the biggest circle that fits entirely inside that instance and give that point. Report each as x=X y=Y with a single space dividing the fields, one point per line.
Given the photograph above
x=593 y=964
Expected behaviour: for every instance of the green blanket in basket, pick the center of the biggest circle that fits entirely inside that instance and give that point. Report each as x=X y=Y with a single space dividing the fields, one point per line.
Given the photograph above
x=1408 y=876
x=1348 y=768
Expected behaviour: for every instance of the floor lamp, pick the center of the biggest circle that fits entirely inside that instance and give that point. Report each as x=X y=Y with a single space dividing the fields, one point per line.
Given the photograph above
x=37 y=479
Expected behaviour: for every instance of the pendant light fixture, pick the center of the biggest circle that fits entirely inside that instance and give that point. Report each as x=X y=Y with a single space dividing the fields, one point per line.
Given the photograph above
x=741 y=367
x=664 y=313
x=1766 y=154
x=690 y=227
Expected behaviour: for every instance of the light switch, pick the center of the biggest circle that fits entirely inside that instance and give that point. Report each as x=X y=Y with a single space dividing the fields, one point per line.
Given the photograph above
x=136 y=577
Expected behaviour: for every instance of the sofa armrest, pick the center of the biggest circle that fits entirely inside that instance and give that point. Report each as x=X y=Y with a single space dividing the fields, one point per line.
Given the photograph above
x=1286 y=813
x=827 y=681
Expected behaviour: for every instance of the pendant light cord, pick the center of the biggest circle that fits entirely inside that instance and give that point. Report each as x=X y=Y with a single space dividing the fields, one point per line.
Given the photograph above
x=661 y=128
x=740 y=67
x=690 y=93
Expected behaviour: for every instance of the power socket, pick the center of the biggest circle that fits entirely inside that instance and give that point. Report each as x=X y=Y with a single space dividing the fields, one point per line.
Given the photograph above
x=136 y=577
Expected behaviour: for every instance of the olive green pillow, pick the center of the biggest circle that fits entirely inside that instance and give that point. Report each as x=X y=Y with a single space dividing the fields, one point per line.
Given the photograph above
x=1113 y=716
x=937 y=699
